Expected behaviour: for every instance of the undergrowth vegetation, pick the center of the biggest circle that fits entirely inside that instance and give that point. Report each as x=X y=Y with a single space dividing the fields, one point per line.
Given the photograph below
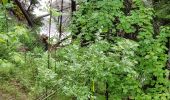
x=116 y=55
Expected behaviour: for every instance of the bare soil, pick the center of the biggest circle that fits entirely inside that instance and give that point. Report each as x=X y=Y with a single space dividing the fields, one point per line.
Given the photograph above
x=14 y=93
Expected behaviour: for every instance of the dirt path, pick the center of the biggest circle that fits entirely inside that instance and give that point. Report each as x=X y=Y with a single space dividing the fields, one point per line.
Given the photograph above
x=12 y=91
x=5 y=96
x=9 y=96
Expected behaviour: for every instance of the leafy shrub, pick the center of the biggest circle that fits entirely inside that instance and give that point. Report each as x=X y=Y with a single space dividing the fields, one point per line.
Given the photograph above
x=6 y=70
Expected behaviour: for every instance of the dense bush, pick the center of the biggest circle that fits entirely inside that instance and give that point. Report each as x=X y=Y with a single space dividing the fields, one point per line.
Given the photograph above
x=116 y=55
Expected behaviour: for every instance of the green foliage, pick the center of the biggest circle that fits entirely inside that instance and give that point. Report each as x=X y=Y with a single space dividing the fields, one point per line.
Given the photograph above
x=6 y=69
x=133 y=68
x=102 y=20
x=80 y=66
x=96 y=16
x=162 y=9
x=2 y=19
x=10 y=41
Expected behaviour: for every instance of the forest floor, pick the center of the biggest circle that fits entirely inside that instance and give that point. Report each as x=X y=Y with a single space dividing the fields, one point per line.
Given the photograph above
x=12 y=91
x=6 y=96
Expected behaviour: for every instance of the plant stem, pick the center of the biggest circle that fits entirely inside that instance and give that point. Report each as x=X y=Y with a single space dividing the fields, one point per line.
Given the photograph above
x=107 y=92
x=61 y=18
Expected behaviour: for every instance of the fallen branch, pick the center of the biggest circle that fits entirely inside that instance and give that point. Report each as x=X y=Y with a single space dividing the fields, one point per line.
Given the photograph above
x=39 y=17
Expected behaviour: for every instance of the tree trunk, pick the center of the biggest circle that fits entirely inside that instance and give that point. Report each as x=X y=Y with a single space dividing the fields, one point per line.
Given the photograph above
x=61 y=20
x=73 y=6
x=27 y=16
x=128 y=6
x=168 y=52
x=107 y=91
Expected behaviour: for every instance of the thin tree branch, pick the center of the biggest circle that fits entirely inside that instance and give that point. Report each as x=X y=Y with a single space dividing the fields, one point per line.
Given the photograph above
x=61 y=18
x=49 y=95
x=45 y=15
